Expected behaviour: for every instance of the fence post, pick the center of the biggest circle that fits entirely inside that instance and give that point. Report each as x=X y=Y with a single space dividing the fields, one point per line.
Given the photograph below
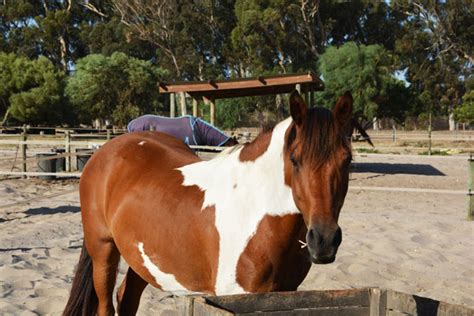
x=108 y=134
x=470 y=187
x=67 y=149
x=429 y=133
x=394 y=133
x=24 y=137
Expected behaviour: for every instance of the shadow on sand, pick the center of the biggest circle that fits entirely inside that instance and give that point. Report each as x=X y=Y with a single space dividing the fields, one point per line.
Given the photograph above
x=50 y=211
x=396 y=168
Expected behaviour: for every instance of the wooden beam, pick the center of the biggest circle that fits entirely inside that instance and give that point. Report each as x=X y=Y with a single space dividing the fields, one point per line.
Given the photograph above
x=195 y=107
x=211 y=85
x=172 y=105
x=182 y=100
x=213 y=111
x=263 y=90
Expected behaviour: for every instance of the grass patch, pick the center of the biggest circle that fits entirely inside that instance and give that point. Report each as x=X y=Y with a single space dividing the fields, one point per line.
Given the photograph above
x=367 y=151
x=436 y=152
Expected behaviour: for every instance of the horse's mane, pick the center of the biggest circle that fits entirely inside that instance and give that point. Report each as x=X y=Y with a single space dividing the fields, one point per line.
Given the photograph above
x=320 y=136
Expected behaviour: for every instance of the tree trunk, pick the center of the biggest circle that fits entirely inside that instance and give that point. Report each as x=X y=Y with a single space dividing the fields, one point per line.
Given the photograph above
x=451 y=121
x=5 y=117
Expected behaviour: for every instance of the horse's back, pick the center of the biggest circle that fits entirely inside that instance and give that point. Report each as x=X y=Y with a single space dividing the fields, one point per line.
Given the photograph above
x=128 y=162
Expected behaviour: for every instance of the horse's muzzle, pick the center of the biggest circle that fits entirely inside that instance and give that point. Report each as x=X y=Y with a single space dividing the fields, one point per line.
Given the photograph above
x=322 y=246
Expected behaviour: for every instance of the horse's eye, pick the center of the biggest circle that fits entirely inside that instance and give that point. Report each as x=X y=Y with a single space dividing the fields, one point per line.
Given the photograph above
x=293 y=160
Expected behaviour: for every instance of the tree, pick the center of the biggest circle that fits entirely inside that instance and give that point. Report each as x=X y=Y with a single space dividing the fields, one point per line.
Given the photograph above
x=366 y=71
x=436 y=49
x=189 y=35
x=465 y=113
x=116 y=87
x=31 y=90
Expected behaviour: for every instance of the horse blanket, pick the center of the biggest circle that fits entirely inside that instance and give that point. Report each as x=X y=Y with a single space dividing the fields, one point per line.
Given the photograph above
x=191 y=130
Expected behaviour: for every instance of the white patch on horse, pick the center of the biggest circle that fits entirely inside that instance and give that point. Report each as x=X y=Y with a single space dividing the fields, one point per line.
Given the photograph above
x=167 y=281
x=260 y=191
x=141 y=143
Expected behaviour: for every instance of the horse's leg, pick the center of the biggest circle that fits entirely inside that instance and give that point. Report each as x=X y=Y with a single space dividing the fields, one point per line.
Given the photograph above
x=129 y=293
x=105 y=259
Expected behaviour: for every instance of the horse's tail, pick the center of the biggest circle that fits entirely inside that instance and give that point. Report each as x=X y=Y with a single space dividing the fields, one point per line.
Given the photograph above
x=83 y=299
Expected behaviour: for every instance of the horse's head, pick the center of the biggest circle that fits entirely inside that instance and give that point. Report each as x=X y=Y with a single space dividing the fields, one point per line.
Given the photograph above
x=317 y=157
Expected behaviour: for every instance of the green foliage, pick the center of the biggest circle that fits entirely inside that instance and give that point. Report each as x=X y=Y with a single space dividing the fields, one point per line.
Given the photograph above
x=118 y=87
x=31 y=90
x=366 y=71
x=432 y=41
x=465 y=113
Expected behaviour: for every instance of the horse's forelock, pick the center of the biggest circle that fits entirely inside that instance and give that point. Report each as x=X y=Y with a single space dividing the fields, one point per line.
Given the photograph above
x=319 y=136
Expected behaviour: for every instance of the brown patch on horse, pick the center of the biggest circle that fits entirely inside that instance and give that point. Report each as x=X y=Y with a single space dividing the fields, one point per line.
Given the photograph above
x=140 y=184
x=273 y=259
x=255 y=149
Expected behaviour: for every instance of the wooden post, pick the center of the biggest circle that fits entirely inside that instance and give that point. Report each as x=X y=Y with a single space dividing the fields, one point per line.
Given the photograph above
x=298 y=88
x=195 y=107
x=182 y=100
x=394 y=133
x=24 y=137
x=213 y=111
x=429 y=133
x=311 y=99
x=67 y=150
x=108 y=134
x=470 y=187
x=172 y=105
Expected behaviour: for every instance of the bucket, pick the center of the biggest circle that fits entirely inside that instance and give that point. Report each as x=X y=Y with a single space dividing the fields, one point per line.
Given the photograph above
x=60 y=161
x=81 y=159
x=46 y=165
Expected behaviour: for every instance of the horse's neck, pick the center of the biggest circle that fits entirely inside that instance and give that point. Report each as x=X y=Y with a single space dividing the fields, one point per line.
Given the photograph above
x=258 y=184
x=242 y=194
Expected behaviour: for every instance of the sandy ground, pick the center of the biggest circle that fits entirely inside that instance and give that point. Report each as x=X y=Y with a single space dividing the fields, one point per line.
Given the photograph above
x=417 y=243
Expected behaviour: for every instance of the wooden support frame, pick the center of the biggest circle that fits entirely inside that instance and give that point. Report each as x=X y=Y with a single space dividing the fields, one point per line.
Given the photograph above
x=172 y=105
x=212 y=90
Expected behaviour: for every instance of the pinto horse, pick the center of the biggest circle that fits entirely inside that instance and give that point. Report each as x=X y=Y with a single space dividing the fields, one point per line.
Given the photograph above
x=233 y=224
x=192 y=130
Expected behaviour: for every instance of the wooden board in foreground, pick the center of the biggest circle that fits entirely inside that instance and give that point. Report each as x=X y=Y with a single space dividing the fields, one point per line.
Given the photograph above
x=353 y=302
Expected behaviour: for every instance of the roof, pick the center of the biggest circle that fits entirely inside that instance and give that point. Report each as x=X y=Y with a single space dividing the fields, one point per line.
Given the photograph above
x=263 y=85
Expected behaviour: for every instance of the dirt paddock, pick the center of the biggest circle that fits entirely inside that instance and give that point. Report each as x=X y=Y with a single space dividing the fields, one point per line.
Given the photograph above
x=412 y=242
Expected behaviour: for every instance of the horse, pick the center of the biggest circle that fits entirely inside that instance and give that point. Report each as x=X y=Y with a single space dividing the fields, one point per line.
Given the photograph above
x=191 y=130
x=232 y=224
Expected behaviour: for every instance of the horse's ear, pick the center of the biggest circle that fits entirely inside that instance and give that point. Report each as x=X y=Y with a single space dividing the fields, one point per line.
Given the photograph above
x=298 y=108
x=343 y=109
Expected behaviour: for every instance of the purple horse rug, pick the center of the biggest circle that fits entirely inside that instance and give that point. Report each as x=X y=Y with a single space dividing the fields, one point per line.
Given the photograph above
x=190 y=129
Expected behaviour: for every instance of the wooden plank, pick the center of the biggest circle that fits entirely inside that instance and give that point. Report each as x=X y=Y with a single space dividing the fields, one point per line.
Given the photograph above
x=446 y=309
x=378 y=302
x=213 y=111
x=337 y=311
x=201 y=307
x=35 y=174
x=417 y=305
x=172 y=105
x=409 y=190
x=195 y=107
x=287 y=301
x=248 y=83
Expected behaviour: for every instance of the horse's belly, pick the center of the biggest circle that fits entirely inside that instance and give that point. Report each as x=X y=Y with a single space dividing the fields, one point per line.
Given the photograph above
x=172 y=247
